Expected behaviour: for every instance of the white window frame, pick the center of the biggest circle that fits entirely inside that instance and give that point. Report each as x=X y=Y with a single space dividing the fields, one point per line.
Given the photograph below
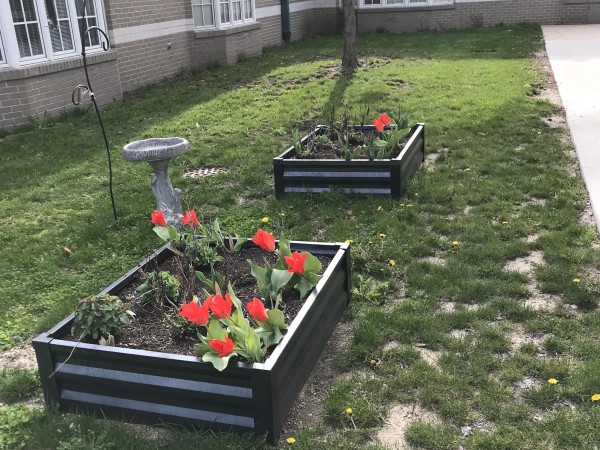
x=404 y=3
x=8 y=36
x=218 y=24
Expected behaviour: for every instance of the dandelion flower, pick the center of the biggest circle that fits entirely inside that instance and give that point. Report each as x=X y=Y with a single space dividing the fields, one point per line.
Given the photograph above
x=576 y=280
x=504 y=222
x=455 y=242
x=381 y=235
x=264 y=219
x=409 y=205
x=553 y=381
x=392 y=262
x=595 y=397
x=349 y=411
x=290 y=440
x=373 y=362
x=282 y=214
x=380 y=208
x=349 y=241
x=467 y=169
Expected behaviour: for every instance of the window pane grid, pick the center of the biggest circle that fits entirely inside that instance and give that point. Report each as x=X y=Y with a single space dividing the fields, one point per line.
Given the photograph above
x=60 y=25
x=27 y=28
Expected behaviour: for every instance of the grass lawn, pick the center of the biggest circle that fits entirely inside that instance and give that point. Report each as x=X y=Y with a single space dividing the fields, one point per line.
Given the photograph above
x=450 y=330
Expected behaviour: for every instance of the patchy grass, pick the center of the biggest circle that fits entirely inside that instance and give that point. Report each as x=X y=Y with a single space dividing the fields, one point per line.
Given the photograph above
x=499 y=189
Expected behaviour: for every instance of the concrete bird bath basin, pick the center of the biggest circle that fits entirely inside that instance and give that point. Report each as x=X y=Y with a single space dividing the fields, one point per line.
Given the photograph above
x=157 y=152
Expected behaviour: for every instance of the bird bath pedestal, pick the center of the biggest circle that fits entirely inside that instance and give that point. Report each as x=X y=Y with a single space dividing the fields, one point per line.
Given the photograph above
x=158 y=152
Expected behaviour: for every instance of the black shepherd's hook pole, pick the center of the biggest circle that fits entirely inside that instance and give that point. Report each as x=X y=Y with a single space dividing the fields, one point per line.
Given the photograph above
x=76 y=97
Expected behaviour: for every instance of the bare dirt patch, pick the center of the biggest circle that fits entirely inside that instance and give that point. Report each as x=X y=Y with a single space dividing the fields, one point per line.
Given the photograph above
x=400 y=417
x=307 y=410
x=550 y=92
x=18 y=358
x=431 y=357
x=519 y=337
x=438 y=261
x=526 y=264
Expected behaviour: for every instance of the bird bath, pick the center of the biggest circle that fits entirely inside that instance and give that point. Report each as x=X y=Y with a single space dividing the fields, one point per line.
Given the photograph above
x=157 y=152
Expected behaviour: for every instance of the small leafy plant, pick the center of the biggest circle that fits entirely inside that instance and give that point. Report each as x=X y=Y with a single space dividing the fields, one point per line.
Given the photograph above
x=100 y=316
x=159 y=285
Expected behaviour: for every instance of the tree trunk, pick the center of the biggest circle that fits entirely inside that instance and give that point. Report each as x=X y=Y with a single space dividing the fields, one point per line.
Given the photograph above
x=349 y=57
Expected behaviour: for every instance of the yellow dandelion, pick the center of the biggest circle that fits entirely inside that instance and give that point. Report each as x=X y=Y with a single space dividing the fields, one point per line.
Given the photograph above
x=402 y=204
x=264 y=219
x=380 y=208
x=381 y=235
x=455 y=242
x=467 y=169
x=576 y=280
x=553 y=381
x=373 y=362
x=392 y=262
x=370 y=242
x=504 y=222
x=349 y=411
x=290 y=440
x=409 y=205
x=595 y=397
x=349 y=241
x=282 y=214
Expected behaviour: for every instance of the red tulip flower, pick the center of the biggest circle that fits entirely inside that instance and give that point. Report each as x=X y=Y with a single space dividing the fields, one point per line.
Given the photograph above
x=158 y=218
x=257 y=310
x=378 y=124
x=296 y=263
x=195 y=313
x=224 y=348
x=385 y=119
x=264 y=240
x=190 y=219
x=221 y=307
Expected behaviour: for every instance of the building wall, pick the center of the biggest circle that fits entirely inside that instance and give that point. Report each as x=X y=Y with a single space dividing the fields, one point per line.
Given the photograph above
x=29 y=93
x=469 y=13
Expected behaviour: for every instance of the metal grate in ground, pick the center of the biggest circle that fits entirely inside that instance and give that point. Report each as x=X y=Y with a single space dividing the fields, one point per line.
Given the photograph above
x=205 y=172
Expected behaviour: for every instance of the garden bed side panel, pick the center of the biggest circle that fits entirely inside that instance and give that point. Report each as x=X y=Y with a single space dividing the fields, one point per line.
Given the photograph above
x=153 y=387
x=386 y=177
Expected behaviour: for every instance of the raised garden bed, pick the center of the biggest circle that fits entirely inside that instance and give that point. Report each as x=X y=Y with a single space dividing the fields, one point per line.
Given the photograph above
x=375 y=177
x=152 y=387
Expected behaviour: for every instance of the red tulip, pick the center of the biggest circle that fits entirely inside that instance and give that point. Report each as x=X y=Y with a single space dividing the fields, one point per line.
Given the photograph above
x=221 y=307
x=158 y=218
x=224 y=348
x=385 y=119
x=257 y=310
x=296 y=263
x=190 y=219
x=378 y=124
x=264 y=240
x=195 y=313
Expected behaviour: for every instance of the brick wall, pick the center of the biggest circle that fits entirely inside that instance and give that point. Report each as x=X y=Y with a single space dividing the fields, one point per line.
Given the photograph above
x=130 y=13
x=467 y=14
x=29 y=93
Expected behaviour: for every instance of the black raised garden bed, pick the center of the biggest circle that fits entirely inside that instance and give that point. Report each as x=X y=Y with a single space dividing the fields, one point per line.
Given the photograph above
x=152 y=387
x=375 y=177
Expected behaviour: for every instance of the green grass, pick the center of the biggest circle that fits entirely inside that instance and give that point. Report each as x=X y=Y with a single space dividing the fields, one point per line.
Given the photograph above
x=501 y=176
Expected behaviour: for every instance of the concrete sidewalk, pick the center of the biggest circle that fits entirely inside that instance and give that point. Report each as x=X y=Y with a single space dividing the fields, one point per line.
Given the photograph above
x=574 y=53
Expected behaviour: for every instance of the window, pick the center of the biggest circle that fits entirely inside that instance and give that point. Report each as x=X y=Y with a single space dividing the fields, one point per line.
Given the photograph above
x=39 y=30
x=203 y=13
x=229 y=13
x=407 y=3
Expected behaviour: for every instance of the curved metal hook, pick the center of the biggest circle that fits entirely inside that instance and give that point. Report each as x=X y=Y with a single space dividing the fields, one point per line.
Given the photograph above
x=105 y=43
x=78 y=93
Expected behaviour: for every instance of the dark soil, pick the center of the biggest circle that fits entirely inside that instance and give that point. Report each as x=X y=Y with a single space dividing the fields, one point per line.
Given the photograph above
x=157 y=325
x=326 y=144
